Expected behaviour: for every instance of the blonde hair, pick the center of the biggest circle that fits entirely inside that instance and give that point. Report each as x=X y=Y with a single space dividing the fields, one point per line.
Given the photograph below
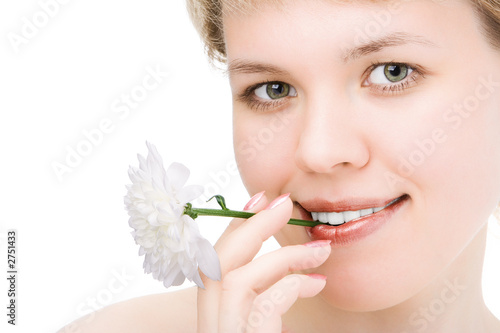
x=206 y=16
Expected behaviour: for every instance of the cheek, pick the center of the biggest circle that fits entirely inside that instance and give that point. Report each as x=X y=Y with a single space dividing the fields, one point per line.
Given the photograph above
x=472 y=154
x=452 y=159
x=264 y=148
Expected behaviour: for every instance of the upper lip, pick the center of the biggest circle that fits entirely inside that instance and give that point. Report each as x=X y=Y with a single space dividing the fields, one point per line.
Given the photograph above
x=345 y=204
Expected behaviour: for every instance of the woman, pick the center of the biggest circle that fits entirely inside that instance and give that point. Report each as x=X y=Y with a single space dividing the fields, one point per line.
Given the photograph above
x=380 y=120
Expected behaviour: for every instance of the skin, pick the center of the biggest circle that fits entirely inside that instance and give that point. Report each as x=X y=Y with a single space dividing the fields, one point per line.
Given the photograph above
x=342 y=135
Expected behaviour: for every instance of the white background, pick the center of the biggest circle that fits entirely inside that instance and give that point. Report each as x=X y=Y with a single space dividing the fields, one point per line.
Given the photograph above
x=73 y=233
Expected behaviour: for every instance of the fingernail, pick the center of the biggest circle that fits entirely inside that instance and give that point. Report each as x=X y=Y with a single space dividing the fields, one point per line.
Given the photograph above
x=279 y=200
x=253 y=201
x=317 y=276
x=318 y=243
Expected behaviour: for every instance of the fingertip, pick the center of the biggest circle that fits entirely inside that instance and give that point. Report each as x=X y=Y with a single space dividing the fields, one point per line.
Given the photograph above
x=318 y=243
x=319 y=250
x=317 y=276
x=313 y=285
x=278 y=201
x=257 y=202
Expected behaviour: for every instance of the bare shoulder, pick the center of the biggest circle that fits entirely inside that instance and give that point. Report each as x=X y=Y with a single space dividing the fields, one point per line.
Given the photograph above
x=167 y=312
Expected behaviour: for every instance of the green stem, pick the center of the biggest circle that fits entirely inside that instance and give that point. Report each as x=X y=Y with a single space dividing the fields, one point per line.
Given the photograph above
x=245 y=215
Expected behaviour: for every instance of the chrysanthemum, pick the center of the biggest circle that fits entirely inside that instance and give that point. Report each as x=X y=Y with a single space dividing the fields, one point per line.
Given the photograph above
x=169 y=239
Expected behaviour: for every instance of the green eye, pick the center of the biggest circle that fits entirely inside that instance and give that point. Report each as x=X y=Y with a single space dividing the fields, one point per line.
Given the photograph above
x=395 y=72
x=386 y=74
x=275 y=90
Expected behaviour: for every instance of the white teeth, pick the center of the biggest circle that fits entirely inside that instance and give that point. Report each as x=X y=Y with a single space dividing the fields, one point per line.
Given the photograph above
x=366 y=211
x=335 y=218
x=351 y=215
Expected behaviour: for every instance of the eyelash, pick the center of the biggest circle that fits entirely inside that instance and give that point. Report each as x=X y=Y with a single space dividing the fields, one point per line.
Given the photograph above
x=397 y=88
x=248 y=95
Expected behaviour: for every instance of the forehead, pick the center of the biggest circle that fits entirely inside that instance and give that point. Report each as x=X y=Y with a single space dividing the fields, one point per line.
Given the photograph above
x=307 y=31
x=251 y=6
x=363 y=19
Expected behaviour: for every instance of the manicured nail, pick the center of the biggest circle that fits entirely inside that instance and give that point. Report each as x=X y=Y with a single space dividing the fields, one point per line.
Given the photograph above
x=253 y=201
x=318 y=243
x=317 y=276
x=279 y=200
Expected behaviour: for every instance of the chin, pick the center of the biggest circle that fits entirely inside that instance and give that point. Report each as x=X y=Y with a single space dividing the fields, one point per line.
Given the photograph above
x=371 y=285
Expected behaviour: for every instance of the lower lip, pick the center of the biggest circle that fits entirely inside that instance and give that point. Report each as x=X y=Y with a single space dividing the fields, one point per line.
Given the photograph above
x=355 y=230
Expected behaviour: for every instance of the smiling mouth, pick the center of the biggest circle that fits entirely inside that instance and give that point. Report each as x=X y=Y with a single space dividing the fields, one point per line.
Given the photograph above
x=342 y=217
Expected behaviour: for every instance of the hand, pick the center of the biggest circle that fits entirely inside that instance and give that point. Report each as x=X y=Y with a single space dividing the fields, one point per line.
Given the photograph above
x=253 y=295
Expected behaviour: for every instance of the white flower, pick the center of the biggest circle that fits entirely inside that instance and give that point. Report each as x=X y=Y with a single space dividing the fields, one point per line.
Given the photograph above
x=170 y=240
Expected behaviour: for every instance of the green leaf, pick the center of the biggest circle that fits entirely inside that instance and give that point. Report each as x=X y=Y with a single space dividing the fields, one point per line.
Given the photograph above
x=220 y=200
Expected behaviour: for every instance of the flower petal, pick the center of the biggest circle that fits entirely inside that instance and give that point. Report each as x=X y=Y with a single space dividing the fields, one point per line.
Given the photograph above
x=198 y=281
x=170 y=278
x=208 y=261
x=177 y=175
x=179 y=279
x=190 y=193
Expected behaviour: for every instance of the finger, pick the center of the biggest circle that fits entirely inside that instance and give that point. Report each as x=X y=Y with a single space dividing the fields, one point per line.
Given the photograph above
x=266 y=270
x=257 y=203
x=241 y=286
x=271 y=305
x=246 y=240
x=208 y=299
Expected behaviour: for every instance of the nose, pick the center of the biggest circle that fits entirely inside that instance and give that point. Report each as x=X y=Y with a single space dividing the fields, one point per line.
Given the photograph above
x=331 y=137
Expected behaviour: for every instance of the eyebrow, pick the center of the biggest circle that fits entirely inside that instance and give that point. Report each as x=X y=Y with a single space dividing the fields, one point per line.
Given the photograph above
x=393 y=39
x=239 y=66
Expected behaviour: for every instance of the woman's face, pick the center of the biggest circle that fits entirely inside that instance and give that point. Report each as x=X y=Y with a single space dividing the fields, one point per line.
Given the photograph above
x=348 y=106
